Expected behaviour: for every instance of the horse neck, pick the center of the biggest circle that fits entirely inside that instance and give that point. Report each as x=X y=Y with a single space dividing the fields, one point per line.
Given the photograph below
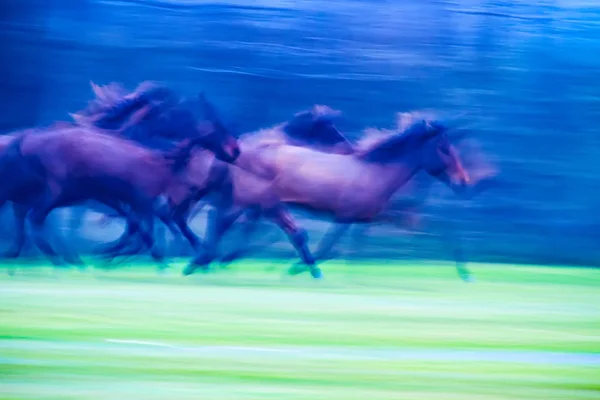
x=394 y=175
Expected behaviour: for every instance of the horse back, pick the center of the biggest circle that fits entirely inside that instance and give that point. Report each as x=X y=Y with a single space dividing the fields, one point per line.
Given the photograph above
x=81 y=153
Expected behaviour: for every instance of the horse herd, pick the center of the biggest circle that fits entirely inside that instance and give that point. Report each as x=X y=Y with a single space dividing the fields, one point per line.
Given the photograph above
x=150 y=153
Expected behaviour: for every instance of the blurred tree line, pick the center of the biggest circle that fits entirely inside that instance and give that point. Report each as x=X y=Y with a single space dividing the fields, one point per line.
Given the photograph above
x=525 y=71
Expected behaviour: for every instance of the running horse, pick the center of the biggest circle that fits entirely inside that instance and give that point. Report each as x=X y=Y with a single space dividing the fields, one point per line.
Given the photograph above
x=71 y=164
x=356 y=188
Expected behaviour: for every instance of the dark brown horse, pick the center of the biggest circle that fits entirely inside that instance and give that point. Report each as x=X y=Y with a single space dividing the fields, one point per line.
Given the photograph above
x=115 y=109
x=41 y=167
x=152 y=114
x=357 y=188
x=403 y=208
x=74 y=165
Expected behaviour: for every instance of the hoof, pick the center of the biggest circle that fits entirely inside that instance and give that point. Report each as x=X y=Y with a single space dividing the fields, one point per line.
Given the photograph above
x=466 y=277
x=11 y=254
x=228 y=258
x=190 y=269
x=316 y=273
x=77 y=262
x=297 y=269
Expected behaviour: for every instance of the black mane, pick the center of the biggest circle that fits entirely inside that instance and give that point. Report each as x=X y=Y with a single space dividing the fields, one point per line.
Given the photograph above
x=389 y=148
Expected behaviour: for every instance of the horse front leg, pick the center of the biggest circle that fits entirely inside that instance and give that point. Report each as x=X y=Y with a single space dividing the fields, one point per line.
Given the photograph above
x=127 y=238
x=40 y=210
x=143 y=209
x=205 y=256
x=331 y=238
x=248 y=229
x=180 y=218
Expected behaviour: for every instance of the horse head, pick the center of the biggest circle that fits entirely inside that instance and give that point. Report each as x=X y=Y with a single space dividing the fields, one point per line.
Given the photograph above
x=315 y=128
x=439 y=157
x=214 y=135
x=426 y=143
x=153 y=113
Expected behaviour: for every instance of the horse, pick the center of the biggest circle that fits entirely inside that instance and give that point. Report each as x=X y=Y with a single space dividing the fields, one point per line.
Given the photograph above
x=113 y=109
x=401 y=211
x=148 y=114
x=356 y=188
x=312 y=128
x=210 y=135
x=238 y=190
x=74 y=165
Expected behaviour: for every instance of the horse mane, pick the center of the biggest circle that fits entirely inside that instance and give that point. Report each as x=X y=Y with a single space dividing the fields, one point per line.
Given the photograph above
x=317 y=112
x=113 y=106
x=281 y=133
x=383 y=145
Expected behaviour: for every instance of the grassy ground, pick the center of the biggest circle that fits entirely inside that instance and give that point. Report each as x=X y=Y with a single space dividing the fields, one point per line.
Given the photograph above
x=365 y=332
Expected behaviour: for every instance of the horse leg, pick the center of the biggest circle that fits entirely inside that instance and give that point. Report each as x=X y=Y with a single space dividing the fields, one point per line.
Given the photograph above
x=453 y=239
x=331 y=238
x=179 y=217
x=47 y=202
x=144 y=209
x=128 y=243
x=248 y=230
x=20 y=212
x=298 y=237
x=204 y=257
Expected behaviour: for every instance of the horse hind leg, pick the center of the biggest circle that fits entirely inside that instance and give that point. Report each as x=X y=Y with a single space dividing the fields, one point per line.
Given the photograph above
x=143 y=210
x=299 y=239
x=17 y=245
x=37 y=217
x=331 y=238
x=248 y=229
x=214 y=230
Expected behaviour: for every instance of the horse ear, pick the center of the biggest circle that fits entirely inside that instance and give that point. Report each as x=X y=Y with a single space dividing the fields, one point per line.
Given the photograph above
x=403 y=121
x=322 y=112
x=79 y=119
x=96 y=89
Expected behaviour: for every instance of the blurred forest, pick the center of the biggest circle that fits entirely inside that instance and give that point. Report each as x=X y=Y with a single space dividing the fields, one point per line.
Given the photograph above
x=526 y=71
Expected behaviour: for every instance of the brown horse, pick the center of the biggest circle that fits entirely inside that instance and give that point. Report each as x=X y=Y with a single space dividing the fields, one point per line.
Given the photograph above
x=74 y=165
x=152 y=114
x=140 y=116
x=313 y=128
x=236 y=190
x=402 y=210
x=65 y=180
x=357 y=188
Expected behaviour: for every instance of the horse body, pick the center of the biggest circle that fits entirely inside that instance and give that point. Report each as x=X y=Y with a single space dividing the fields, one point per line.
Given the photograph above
x=86 y=157
x=343 y=185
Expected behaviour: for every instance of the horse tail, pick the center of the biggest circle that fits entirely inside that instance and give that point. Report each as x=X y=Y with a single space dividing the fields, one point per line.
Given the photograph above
x=13 y=162
x=13 y=150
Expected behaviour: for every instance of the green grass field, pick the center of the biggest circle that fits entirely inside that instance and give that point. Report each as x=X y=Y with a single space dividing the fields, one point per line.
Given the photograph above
x=367 y=331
